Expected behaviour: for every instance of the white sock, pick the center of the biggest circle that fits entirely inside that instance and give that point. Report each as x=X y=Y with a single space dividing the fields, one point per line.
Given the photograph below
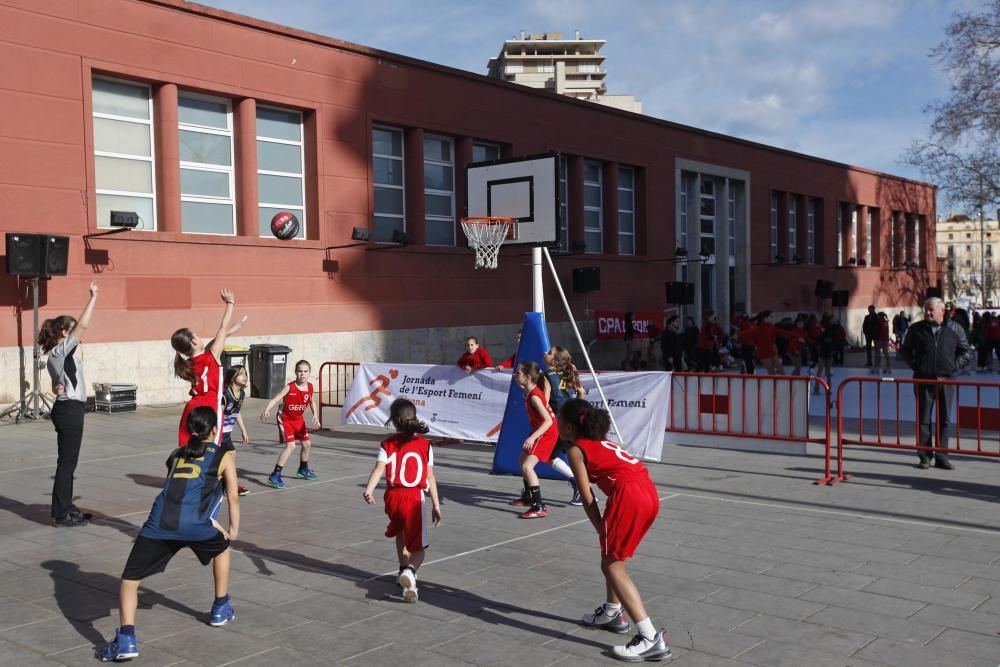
x=646 y=629
x=611 y=608
x=563 y=469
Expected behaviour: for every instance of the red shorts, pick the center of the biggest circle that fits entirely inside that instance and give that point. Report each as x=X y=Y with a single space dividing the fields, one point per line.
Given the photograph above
x=542 y=449
x=630 y=512
x=182 y=434
x=290 y=430
x=405 y=509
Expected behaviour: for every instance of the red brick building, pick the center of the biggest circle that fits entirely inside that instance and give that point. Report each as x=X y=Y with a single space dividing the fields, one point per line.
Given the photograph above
x=206 y=123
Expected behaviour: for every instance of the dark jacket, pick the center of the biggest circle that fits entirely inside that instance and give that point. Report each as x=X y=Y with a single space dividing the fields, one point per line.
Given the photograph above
x=870 y=326
x=930 y=358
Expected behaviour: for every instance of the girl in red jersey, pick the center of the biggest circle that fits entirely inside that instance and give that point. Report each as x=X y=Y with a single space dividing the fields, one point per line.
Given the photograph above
x=297 y=396
x=765 y=334
x=541 y=442
x=411 y=473
x=630 y=511
x=201 y=366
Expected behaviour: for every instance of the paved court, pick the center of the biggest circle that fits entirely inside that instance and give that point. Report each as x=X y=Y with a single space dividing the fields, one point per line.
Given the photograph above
x=749 y=563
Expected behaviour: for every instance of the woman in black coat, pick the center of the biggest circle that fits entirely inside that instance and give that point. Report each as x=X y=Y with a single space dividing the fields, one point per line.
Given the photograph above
x=672 y=344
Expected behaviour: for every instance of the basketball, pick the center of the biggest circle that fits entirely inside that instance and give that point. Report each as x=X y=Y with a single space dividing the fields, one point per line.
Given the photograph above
x=284 y=225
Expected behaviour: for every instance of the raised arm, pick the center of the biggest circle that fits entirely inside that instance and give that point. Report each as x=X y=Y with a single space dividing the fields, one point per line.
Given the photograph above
x=83 y=321
x=218 y=344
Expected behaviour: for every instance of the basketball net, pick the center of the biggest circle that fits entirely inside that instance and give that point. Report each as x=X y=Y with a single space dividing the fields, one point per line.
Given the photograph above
x=486 y=235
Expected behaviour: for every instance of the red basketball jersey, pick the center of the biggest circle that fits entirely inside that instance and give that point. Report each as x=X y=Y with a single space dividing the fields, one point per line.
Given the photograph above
x=296 y=401
x=607 y=462
x=407 y=461
x=207 y=376
x=533 y=417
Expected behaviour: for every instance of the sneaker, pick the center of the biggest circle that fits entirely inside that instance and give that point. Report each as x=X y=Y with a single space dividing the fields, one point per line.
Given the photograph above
x=534 y=512
x=408 y=580
x=306 y=473
x=122 y=647
x=274 y=479
x=944 y=464
x=924 y=463
x=576 y=499
x=222 y=614
x=640 y=649
x=241 y=490
x=601 y=621
x=74 y=518
x=523 y=501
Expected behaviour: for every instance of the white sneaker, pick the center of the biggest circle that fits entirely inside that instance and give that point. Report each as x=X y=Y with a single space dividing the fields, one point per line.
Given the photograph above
x=408 y=580
x=615 y=621
x=641 y=649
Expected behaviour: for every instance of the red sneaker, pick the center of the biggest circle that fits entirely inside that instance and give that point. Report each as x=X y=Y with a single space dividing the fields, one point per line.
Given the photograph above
x=241 y=490
x=534 y=512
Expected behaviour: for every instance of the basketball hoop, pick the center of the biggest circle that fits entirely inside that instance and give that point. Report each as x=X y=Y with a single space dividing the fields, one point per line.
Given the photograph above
x=486 y=234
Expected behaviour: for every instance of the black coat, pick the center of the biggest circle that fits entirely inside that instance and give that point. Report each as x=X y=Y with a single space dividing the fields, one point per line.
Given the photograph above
x=935 y=358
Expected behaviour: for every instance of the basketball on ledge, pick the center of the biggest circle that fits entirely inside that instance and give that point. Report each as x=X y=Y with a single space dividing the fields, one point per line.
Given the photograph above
x=284 y=225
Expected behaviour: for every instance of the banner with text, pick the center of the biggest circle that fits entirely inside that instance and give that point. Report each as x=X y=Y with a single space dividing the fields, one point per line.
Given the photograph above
x=455 y=404
x=610 y=324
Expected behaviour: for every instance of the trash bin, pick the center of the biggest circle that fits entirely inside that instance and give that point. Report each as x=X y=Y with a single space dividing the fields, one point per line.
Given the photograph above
x=268 y=364
x=234 y=355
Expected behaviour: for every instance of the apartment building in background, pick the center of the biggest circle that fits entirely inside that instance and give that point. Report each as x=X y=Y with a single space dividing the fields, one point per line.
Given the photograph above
x=968 y=247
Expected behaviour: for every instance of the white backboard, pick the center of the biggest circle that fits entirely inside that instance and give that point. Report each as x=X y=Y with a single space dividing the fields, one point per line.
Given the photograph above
x=525 y=189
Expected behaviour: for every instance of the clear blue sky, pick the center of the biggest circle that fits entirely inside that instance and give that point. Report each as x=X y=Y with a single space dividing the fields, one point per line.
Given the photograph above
x=840 y=79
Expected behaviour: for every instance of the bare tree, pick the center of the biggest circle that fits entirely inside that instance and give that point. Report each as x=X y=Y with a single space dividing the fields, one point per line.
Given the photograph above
x=962 y=154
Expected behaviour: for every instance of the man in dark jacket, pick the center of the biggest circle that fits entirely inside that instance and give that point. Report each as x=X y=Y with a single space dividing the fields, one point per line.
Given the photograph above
x=870 y=328
x=935 y=350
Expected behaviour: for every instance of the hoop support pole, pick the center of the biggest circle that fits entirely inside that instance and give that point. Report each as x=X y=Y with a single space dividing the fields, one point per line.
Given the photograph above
x=537 y=294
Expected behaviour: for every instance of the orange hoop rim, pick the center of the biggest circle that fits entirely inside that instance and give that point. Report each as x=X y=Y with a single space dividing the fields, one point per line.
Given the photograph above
x=486 y=220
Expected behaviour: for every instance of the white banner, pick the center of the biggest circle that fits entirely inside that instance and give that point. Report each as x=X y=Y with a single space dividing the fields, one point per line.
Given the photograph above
x=455 y=404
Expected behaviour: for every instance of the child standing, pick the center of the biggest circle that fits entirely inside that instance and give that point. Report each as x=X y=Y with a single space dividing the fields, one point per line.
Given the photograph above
x=541 y=442
x=410 y=460
x=201 y=366
x=233 y=393
x=183 y=515
x=563 y=384
x=629 y=513
x=297 y=396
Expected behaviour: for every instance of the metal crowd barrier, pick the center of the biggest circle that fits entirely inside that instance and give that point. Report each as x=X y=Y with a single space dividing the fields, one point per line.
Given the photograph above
x=335 y=379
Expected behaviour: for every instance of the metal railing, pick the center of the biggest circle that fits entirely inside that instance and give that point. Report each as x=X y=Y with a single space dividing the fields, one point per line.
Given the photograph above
x=335 y=379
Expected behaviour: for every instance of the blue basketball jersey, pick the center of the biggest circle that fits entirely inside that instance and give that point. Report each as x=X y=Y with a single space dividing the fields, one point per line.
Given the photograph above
x=191 y=497
x=230 y=408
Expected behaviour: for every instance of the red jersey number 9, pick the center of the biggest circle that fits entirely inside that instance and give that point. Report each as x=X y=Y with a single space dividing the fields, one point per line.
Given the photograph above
x=402 y=478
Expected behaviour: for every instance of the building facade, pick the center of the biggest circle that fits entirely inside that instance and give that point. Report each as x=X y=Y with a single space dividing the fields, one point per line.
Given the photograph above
x=968 y=248
x=571 y=67
x=206 y=123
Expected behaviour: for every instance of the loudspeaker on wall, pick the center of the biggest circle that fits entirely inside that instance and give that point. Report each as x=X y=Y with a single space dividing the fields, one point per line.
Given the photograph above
x=840 y=298
x=824 y=289
x=680 y=294
x=37 y=254
x=587 y=279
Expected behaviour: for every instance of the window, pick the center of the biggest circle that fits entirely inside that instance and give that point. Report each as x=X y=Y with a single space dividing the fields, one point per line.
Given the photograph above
x=968 y=262
x=387 y=170
x=868 y=236
x=593 y=228
x=793 y=223
x=918 y=222
x=281 y=179
x=706 y=216
x=563 y=206
x=951 y=236
x=626 y=211
x=123 y=151
x=548 y=69
x=968 y=235
x=774 y=225
x=968 y=248
x=206 y=157
x=439 y=190
x=854 y=232
x=483 y=152
x=840 y=235
x=811 y=230
x=731 y=214
x=951 y=251
x=989 y=251
x=684 y=211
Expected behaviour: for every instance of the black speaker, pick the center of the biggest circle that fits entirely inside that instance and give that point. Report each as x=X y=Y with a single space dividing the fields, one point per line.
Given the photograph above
x=56 y=255
x=933 y=292
x=25 y=254
x=824 y=289
x=680 y=294
x=587 y=279
x=840 y=298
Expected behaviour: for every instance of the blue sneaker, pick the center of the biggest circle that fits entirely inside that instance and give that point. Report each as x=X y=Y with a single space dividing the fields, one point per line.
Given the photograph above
x=576 y=499
x=306 y=473
x=222 y=614
x=122 y=647
x=274 y=479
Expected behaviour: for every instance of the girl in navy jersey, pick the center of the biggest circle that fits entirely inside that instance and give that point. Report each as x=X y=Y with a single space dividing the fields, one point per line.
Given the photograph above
x=632 y=507
x=541 y=442
x=410 y=463
x=200 y=364
x=199 y=476
x=297 y=396
x=233 y=393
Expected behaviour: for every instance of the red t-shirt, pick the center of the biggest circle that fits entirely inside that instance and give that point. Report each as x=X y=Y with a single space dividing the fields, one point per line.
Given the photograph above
x=508 y=362
x=207 y=376
x=746 y=334
x=407 y=461
x=607 y=463
x=533 y=416
x=795 y=338
x=764 y=336
x=709 y=336
x=478 y=359
x=296 y=401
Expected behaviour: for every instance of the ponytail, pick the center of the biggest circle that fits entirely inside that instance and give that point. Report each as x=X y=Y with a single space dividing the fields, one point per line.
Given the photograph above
x=51 y=331
x=585 y=420
x=200 y=423
x=403 y=416
x=181 y=342
x=531 y=369
x=568 y=373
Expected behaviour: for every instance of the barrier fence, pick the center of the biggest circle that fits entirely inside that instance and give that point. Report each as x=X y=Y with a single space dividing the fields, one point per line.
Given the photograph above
x=335 y=379
x=901 y=414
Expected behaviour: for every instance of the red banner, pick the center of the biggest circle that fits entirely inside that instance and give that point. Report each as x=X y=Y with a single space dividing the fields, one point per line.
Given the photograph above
x=610 y=324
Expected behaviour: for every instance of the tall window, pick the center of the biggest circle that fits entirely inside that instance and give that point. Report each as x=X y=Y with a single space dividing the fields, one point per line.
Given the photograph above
x=123 y=151
x=593 y=228
x=563 y=206
x=731 y=212
x=774 y=225
x=684 y=211
x=439 y=190
x=840 y=235
x=483 y=152
x=793 y=226
x=626 y=211
x=868 y=236
x=811 y=230
x=918 y=222
x=706 y=216
x=854 y=232
x=281 y=179
x=387 y=170
x=206 y=157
